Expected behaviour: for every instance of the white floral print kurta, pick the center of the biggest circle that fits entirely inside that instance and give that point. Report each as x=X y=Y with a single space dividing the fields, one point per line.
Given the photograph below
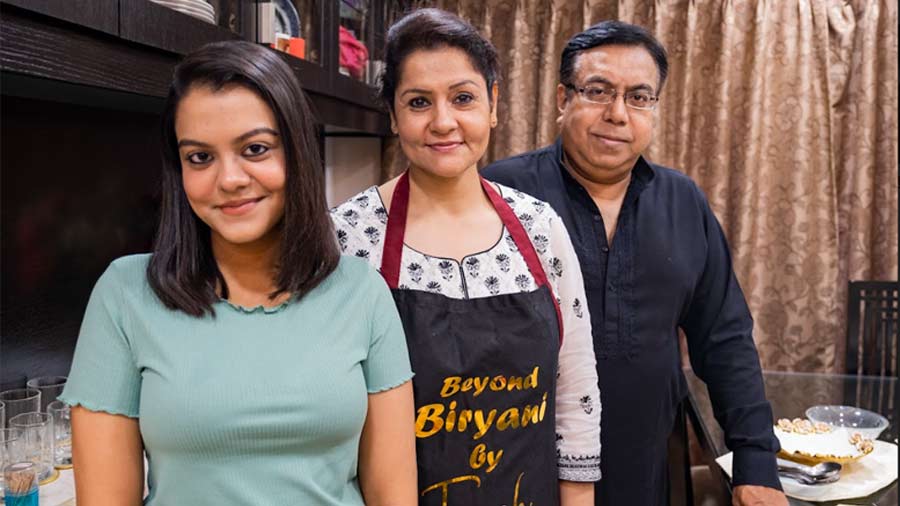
x=360 y=225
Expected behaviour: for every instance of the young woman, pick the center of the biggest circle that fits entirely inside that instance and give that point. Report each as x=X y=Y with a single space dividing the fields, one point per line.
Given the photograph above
x=487 y=284
x=247 y=359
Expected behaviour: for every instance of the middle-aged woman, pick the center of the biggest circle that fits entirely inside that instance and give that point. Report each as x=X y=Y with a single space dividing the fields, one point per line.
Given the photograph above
x=249 y=361
x=487 y=284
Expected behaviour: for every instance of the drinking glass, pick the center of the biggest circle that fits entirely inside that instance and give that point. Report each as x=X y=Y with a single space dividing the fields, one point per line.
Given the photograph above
x=62 y=433
x=2 y=415
x=10 y=451
x=21 y=484
x=20 y=400
x=37 y=437
x=50 y=387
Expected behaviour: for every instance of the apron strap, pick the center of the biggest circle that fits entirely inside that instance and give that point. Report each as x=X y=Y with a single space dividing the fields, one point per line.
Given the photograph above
x=396 y=229
x=526 y=247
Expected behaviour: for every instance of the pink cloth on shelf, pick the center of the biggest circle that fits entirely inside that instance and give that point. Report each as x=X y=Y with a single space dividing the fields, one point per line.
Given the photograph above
x=354 y=54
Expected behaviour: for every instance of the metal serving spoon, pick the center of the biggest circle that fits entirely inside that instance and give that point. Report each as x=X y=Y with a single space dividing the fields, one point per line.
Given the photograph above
x=825 y=472
x=806 y=480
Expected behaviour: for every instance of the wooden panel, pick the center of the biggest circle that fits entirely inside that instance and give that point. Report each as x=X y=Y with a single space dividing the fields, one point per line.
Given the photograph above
x=156 y=26
x=32 y=46
x=328 y=33
x=312 y=77
x=332 y=111
x=80 y=188
x=52 y=90
x=100 y=15
x=38 y=47
x=355 y=91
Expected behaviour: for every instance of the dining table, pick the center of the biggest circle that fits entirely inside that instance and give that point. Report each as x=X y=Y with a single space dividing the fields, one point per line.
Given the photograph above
x=790 y=394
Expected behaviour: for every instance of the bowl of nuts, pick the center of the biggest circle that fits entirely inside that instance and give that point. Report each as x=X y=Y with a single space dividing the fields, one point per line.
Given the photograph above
x=867 y=423
x=812 y=442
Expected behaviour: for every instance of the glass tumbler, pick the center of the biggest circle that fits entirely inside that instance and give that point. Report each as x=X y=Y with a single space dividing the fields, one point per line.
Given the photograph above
x=62 y=433
x=21 y=484
x=10 y=451
x=37 y=437
x=20 y=400
x=50 y=388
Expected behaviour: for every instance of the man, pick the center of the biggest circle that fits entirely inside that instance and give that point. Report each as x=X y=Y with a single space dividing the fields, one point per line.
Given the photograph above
x=654 y=259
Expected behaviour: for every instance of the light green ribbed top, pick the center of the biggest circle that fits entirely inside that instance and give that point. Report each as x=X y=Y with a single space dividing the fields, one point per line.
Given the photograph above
x=252 y=406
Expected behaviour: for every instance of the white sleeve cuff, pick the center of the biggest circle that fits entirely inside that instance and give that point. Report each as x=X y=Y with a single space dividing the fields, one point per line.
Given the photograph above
x=581 y=469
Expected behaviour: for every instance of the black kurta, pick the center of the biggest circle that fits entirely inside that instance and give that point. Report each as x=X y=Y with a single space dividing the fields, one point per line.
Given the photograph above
x=668 y=267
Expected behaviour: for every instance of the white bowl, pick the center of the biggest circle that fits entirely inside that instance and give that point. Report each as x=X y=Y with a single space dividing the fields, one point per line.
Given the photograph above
x=193 y=4
x=187 y=9
x=195 y=14
x=867 y=423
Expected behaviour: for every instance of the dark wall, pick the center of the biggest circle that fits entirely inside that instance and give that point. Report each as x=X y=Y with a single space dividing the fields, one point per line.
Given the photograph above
x=78 y=188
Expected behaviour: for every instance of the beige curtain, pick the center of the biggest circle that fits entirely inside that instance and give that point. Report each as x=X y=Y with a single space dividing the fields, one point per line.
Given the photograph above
x=783 y=111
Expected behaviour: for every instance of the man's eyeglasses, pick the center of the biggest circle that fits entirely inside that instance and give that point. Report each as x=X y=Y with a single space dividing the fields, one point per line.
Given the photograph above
x=639 y=99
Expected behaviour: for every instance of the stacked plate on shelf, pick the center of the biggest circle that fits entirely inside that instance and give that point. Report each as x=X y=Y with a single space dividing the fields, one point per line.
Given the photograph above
x=196 y=8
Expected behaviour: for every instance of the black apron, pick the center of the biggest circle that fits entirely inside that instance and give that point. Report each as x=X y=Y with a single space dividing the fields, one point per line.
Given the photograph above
x=485 y=383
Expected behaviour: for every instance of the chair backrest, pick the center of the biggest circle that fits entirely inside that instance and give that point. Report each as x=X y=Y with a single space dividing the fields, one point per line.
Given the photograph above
x=873 y=325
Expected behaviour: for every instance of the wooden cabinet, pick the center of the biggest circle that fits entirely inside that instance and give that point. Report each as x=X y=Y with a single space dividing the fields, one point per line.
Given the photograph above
x=82 y=83
x=131 y=46
x=102 y=15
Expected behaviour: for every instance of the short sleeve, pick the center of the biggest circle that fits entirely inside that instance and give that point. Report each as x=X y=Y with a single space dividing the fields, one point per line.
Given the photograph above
x=387 y=364
x=104 y=375
x=360 y=224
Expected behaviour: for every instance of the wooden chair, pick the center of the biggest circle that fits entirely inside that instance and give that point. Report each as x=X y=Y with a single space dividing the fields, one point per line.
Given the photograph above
x=872 y=346
x=872 y=328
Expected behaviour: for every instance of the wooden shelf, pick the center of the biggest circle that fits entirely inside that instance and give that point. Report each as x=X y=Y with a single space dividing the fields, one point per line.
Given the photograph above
x=102 y=15
x=159 y=27
x=128 y=48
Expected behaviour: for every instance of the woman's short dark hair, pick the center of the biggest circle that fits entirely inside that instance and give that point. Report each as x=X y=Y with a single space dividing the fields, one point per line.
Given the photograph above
x=182 y=270
x=432 y=29
x=608 y=33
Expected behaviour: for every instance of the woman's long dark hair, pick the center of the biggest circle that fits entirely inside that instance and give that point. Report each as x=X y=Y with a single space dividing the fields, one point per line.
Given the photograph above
x=182 y=270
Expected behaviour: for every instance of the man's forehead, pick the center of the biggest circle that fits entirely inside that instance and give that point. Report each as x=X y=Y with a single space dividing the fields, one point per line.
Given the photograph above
x=624 y=64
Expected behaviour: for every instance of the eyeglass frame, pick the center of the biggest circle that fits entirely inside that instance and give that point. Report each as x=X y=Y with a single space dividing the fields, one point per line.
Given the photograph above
x=654 y=99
